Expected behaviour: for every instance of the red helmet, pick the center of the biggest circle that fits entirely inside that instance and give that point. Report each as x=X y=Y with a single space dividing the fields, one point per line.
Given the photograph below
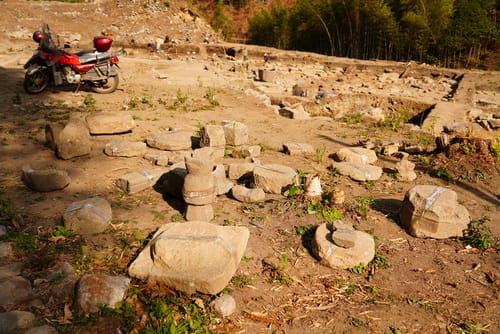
x=37 y=36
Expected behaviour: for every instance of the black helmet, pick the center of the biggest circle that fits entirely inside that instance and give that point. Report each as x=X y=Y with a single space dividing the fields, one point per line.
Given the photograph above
x=37 y=36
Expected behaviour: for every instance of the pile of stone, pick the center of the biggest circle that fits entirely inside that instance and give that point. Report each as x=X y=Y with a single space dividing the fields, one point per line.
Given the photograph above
x=356 y=162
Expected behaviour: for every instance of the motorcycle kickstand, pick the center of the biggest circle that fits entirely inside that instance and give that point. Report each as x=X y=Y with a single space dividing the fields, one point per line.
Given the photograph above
x=77 y=88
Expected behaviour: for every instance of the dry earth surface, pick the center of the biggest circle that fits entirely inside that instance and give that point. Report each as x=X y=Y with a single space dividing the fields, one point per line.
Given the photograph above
x=431 y=286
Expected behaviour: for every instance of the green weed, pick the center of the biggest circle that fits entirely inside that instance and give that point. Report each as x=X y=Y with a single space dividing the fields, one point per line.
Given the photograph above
x=89 y=102
x=363 y=204
x=358 y=269
x=240 y=281
x=357 y=322
x=478 y=235
x=177 y=217
x=443 y=173
x=471 y=327
x=62 y=231
x=495 y=149
x=16 y=99
x=23 y=241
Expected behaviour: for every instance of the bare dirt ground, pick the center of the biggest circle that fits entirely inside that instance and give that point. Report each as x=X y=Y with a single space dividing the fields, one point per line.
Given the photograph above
x=430 y=286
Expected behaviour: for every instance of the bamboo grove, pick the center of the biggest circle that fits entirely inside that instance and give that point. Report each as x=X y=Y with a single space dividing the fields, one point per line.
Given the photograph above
x=449 y=33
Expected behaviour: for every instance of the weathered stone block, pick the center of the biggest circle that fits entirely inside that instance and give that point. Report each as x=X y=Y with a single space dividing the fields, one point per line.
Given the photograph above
x=358 y=155
x=100 y=289
x=433 y=212
x=358 y=171
x=298 y=149
x=48 y=179
x=110 y=123
x=120 y=148
x=89 y=216
x=274 y=178
x=192 y=256
x=175 y=140
x=136 y=181
x=248 y=195
x=236 y=133
x=73 y=140
x=204 y=213
x=212 y=136
x=240 y=169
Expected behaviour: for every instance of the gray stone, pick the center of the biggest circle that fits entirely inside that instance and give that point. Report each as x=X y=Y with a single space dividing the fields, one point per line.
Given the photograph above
x=45 y=329
x=243 y=152
x=121 y=148
x=390 y=149
x=335 y=256
x=225 y=305
x=248 y=195
x=374 y=114
x=110 y=123
x=192 y=256
x=222 y=184
x=266 y=75
x=433 y=212
x=175 y=140
x=298 y=149
x=52 y=131
x=297 y=112
x=140 y=180
x=494 y=123
x=357 y=155
x=204 y=213
x=274 y=178
x=199 y=190
x=166 y=158
x=200 y=162
x=89 y=216
x=100 y=289
x=358 y=172
x=3 y=230
x=15 y=321
x=462 y=128
x=73 y=140
x=44 y=180
x=405 y=170
x=236 y=133
x=10 y=270
x=212 y=136
x=240 y=169
x=62 y=281
x=345 y=238
x=15 y=290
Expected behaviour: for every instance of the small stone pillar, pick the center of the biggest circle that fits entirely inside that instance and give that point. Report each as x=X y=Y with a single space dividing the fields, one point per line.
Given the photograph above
x=198 y=190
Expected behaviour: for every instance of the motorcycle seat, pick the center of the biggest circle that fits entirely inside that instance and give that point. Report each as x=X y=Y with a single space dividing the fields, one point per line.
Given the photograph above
x=90 y=56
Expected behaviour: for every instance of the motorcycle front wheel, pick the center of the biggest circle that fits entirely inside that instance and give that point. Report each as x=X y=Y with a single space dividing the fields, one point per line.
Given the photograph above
x=106 y=86
x=36 y=81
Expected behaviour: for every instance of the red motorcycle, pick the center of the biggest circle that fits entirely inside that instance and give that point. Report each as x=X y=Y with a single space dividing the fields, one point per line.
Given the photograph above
x=98 y=68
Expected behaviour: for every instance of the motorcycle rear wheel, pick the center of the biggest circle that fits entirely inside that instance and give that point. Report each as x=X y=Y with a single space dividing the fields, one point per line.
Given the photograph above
x=36 y=82
x=107 y=86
